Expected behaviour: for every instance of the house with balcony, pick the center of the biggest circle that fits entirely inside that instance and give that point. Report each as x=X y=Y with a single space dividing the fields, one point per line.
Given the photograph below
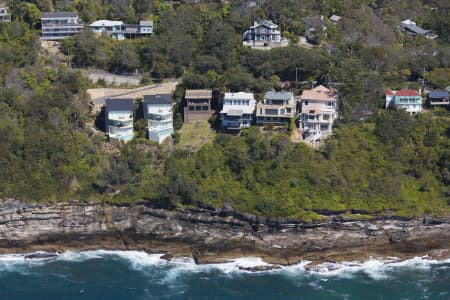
x=119 y=30
x=113 y=28
x=438 y=98
x=409 y=100
x=119 y=119
x=158 y=113
x=59 y=25
x=264 y=34
x=318 y=113
x=238 y=111
x=197 y=105
x=277 y=108
x=5 y=16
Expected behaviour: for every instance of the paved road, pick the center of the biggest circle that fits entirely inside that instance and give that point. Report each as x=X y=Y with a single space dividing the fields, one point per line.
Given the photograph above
x=101 y=94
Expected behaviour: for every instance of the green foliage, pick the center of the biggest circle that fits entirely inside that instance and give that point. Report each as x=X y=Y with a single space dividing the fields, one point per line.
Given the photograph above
x=393 y=164
x=439 y=78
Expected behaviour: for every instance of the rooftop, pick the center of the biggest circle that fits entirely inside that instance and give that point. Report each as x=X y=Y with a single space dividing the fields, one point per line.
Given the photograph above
x=266 y=23
x=146 y=23
x=198 y=94
x=239 y=96
x=158 y=99
x=407 y=92
x=438 y=94
x=119 y=104
x=335 y=18
x=412 y=26
x=107 y=23
x=319 y=93
x=272 y=95
x=58 y=14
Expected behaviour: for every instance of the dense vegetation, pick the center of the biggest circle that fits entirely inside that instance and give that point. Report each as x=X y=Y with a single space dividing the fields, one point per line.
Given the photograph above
x=390 y=163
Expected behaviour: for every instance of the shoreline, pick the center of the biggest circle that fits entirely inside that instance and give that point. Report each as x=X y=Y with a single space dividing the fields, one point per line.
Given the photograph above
x=212 y=236
x=247 y=264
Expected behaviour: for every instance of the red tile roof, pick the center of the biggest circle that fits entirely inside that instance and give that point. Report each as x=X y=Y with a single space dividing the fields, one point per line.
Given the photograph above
x=407 y=93
x=389 y=92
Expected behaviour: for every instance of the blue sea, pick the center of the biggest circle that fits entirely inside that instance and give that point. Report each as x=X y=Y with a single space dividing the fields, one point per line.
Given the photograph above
x=114 y=275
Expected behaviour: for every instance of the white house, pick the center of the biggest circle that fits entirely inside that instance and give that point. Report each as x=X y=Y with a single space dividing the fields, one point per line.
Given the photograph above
x=277 y=108
x=409 y=100
x=119 y=30
x=114 y=28
x=146 y=27
x=159 y=115
x=59 y=25
x=264 y=35
x=119 y=119
x=5 y=16
x=238 y=110
x=319 y=111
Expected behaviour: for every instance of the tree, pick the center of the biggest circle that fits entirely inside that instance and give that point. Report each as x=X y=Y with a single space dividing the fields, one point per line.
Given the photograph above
x=125 y=58
x=439 y=78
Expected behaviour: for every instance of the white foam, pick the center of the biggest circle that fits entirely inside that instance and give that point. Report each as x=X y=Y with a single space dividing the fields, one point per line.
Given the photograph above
x=138 y=260
x=375 y=269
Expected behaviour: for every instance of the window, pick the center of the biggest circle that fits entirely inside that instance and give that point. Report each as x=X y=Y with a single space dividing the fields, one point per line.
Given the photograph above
x=191 y=107
x=306 y=102
x=205 y=107
x=198 y=108
x=271 y=112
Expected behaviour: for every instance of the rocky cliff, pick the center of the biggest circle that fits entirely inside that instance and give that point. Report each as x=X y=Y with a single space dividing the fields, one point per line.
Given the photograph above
x=212 y=235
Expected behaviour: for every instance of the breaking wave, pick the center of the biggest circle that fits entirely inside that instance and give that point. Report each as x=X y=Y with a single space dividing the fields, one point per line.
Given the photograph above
x=142 y=261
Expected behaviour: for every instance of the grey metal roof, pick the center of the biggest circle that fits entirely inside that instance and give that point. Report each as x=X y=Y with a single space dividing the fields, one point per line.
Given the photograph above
x=267 y=23
x=158 y=99
x=416 y=29
x=58 y=14
x=119 y=104
x=438 y=94
x=146 y=23
x=198 y=94
x=235 y=112
x=278 y=95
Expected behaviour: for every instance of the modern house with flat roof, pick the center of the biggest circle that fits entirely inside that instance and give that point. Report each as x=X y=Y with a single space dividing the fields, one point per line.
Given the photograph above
x=5 y=16
x=59 y=25
x=277 y=108
x=438 y=98
x=159 y=115
x=238 y=111
x=119 y=119
x=319 y=111
x=119 y=30
x=264 y=34
x=113 y=28
x=409 y=100
x=197 y=105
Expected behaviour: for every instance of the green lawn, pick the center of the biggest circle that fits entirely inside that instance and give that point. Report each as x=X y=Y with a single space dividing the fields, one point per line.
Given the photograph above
x=194 y=135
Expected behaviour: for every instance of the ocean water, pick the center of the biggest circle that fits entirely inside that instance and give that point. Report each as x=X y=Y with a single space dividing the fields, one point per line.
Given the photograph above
x=112 y=275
